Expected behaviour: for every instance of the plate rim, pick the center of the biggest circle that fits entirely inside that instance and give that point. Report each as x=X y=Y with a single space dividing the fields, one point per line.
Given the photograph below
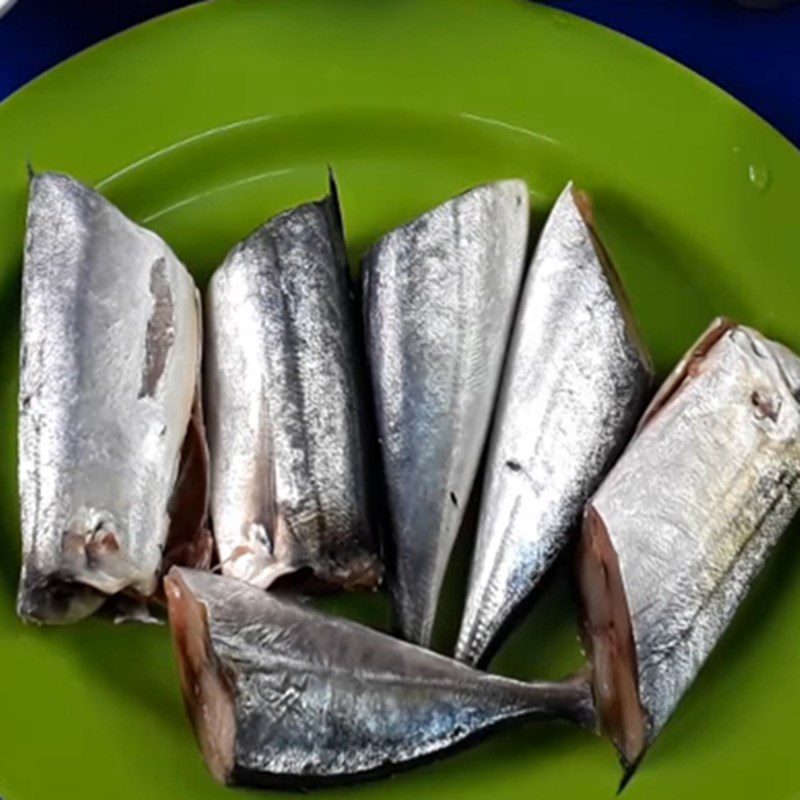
x=202 y=6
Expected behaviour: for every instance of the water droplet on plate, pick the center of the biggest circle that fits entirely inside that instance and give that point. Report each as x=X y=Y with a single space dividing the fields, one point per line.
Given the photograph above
x=758 y=175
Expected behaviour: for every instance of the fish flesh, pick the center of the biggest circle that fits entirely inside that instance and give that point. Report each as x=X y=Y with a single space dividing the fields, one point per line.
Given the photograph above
x=110 y=358
x=682 y=524
x=576 y=380
x=280 y=694
x=286 y=408
x=439 y=294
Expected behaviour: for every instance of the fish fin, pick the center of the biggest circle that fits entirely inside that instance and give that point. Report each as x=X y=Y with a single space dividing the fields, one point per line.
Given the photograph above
x=333 y=212
x=333 y=186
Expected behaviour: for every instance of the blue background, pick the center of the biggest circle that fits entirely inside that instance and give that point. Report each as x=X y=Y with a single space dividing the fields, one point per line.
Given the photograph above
x=754 y=55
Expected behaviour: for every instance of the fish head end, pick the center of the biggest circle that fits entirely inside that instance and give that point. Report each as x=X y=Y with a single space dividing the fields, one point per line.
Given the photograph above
x=54 y=599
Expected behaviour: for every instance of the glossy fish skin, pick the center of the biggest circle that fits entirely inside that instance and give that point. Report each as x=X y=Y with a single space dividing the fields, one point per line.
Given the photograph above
x=439 y=295
x=110 y=355
x=286 y=409
x=576 y=380
x=684 y=521
x=282 y=695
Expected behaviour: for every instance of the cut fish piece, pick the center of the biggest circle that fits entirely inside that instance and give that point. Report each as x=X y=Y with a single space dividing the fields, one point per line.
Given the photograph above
x=286 y=408
x=576 y=380
x=682 y=524
x=439 y=294
x=282 y=695
x=111 y=341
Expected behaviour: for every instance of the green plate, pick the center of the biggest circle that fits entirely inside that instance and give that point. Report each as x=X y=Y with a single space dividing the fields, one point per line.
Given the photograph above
x=203 y=123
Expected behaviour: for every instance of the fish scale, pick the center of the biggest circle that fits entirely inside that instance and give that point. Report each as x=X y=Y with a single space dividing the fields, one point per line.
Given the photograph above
x=439 y=296
x=110 y=354
x=282 y=695
x=286 y=408
x=725 y=428
x=575 y=381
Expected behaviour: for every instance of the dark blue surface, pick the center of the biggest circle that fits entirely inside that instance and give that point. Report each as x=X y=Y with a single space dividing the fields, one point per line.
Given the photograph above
x=754 y=55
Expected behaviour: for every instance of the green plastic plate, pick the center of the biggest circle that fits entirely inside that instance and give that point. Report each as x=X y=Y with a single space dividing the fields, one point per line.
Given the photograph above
x=203 y=123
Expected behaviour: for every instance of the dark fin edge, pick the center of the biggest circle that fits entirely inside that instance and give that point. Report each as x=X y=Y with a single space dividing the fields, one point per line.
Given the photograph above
x=628 y=773
x=332 y=208
x=375 y=544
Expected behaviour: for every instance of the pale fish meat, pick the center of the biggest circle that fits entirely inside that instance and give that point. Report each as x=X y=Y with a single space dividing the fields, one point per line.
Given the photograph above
x=576 y=380
x=110 y=358
x=440 y=294
x=286 y=408
x=282 y=695
x=682 y=524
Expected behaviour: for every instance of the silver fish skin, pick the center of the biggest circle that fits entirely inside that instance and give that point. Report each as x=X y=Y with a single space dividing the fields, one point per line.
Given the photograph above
x=576 y=380
x=110 y=354
x=286 y=409
x=682 y=524
x=280 y=694
x=440 y=294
